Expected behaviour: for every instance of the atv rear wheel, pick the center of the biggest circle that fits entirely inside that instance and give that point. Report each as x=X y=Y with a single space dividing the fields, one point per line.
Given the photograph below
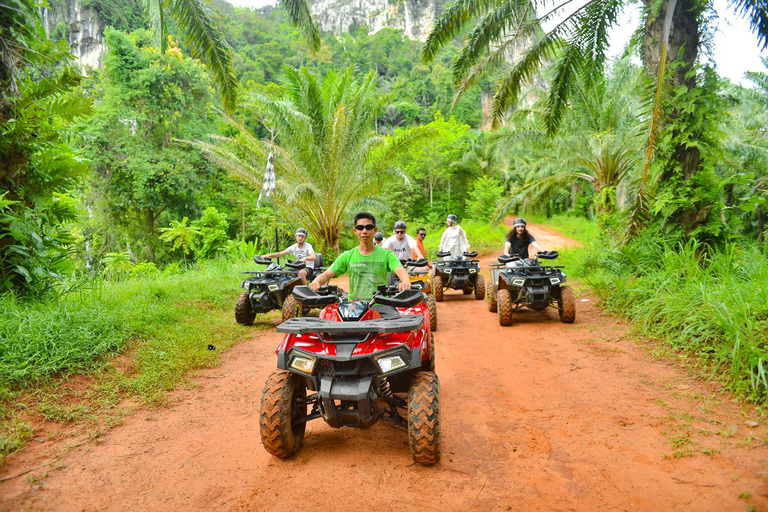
x=490 y=299
x=424 y=418
x=243 y=312
x=283 y=403
x=291 y=308
x=480 y=288
x=432 y=308
x=437 y=284
x=504 y=307
x=567 y=305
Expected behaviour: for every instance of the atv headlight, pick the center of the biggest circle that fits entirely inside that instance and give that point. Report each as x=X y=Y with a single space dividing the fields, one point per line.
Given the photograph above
x=518 y=282
x=472 y=271
x=391 y=363
x=554 y=280
x=303 y=364
x=448 y=270
x=273 y=287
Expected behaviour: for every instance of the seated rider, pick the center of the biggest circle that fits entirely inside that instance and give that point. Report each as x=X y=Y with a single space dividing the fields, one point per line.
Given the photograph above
x=301 y=251
x=454 y=239
x=367 y=264
x=519 y=240
x=404 y=246
x=378 y=239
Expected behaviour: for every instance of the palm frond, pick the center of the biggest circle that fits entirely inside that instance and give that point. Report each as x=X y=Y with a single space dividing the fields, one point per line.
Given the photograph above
x=206 y=41
x=301 y=16
x=156 y=11
x=452 y=22
x=755 y=11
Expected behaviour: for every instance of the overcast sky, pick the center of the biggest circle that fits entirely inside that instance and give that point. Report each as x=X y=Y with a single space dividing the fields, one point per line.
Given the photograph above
x=736 y=48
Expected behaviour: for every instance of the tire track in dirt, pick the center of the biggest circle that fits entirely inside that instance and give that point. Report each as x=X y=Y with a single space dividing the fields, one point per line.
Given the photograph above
x=539 y=415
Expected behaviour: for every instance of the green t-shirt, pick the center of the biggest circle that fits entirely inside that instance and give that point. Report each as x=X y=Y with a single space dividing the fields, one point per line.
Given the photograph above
x=366 y=273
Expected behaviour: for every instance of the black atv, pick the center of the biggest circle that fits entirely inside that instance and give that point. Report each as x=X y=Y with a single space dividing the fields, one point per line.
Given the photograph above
x=460 y=273
x=419 y=277
x=518 y=283
x=271 y=289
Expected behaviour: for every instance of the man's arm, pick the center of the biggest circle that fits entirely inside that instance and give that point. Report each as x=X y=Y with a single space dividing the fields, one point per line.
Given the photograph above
x=405 y=279
x=507 y=247
x=322 y=279
x=276 y=254
x=464 y=237
x=415 y=247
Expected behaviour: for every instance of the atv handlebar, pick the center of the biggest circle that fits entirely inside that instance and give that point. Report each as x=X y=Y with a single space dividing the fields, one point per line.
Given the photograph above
x=415 y=263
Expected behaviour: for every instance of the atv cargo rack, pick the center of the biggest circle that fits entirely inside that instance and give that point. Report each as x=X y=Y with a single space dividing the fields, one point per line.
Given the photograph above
x=304 y=325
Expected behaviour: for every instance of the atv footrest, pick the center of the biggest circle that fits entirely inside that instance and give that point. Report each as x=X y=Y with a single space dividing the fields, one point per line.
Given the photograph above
x=304 y=325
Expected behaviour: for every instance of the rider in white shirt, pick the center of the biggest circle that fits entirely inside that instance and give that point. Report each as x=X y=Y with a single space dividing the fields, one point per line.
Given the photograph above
x=404 y=246
x=454 y=239
x=301 y=251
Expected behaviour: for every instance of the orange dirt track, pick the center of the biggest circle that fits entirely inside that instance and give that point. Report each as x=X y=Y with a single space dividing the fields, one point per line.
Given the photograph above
x=536 y=416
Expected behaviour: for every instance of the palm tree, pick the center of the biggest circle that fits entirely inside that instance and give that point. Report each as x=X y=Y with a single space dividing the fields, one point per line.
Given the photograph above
x=328 y=158
x=597 y=143
x=206 y=41
x=672 y=31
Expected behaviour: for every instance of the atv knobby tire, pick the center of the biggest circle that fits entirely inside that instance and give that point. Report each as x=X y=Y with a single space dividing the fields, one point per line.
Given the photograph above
x=566 y=305
x=437 y=284
x=432 y=308
x=424 y=418
x=283 y=401
x=243 y=312
x=291 y=308
x=504 y=307
x=480 y=288
x=490 y=299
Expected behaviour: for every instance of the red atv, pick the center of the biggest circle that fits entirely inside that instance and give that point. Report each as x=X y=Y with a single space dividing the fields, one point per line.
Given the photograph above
x=359 y=362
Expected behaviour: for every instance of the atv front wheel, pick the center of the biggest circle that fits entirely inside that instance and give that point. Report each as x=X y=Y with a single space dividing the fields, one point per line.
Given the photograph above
x=480 y=288
x=291 y=308
x=283 y=403
x=504 y=307
x=424 y=418
x=432 y=308
x=566 y=305
x=490 y=299
x=437 y=284
x=243 y=312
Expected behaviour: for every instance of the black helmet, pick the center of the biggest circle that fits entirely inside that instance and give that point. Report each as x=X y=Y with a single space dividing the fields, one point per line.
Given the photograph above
x=300 y=231
x=452 y=218
x=519 y=222
x=378 y=236
x=399 y=225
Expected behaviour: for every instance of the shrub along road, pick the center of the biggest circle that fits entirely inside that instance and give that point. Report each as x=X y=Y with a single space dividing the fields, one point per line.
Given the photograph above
x=536 y=416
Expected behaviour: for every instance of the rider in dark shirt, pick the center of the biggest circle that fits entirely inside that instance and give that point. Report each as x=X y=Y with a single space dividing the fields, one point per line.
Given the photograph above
x=519 y=240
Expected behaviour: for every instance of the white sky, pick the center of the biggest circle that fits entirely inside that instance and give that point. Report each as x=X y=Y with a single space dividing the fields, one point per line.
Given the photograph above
x=736 y=48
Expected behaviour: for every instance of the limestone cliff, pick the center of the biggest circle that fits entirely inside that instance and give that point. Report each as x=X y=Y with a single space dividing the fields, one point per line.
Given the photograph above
x=415 y=17
x=82 y=27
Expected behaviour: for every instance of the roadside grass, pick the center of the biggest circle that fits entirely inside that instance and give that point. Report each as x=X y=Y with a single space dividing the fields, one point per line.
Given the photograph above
x=73 y=360
x=711 y=304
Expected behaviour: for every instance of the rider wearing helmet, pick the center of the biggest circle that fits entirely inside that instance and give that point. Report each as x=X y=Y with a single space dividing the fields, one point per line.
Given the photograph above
x=519 y=240
x=404 y=246
x=378 y=239
x=301 y=251
x=454 y=239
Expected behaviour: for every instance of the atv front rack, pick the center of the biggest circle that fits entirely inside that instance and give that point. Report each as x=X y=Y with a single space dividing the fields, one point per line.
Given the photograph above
x=266 y=273
x=306 y=325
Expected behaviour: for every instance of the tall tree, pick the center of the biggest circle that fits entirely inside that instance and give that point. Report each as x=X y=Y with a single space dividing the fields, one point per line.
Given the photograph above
x=577 y=44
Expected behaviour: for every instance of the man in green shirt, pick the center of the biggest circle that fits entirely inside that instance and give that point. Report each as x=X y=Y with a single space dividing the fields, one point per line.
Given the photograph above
x=367 y=264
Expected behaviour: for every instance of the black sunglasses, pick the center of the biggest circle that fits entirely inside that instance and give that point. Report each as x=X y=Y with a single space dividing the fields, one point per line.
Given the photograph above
x=399 y=231
x=367 y=227
x=422 y=234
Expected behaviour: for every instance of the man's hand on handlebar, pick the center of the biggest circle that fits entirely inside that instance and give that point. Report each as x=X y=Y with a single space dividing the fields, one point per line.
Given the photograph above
x=404 y=285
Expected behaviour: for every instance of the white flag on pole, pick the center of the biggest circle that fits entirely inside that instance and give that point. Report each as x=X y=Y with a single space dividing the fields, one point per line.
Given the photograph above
x=269 y=180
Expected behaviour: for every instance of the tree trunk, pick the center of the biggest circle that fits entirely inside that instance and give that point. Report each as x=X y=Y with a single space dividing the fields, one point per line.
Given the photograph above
x=150 y=235
x=682 y=51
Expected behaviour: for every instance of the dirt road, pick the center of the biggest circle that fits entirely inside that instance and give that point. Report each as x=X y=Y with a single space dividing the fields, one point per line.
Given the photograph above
x=536 y=416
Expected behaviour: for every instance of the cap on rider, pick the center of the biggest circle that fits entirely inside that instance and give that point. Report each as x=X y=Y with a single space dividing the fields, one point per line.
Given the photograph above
x=519 y=222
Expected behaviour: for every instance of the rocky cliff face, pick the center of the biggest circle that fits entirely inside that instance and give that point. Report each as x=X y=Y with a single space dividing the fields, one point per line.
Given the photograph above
x=82 y=27
x=415 y=17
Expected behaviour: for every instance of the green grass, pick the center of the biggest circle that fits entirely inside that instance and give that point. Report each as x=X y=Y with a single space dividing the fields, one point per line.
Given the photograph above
x=710 y=303
x=165 y=323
